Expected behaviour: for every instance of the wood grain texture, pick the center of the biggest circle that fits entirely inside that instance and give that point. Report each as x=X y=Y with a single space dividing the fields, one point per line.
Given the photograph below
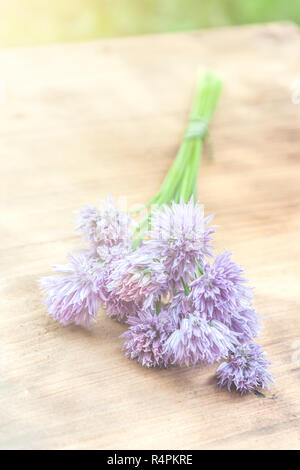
x=79 y=121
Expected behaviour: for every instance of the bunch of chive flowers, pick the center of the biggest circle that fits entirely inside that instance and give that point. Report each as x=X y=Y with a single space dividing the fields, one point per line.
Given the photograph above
x=182 y=305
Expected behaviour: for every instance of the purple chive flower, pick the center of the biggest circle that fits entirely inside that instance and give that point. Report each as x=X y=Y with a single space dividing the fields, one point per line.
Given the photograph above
x=245 y=322
x=104 y=229
x=200 y=341
x=179 y=308
x=138 y=278
x=246 y=369
x=221 y=290
x=72 y=295
x=146 y=337
x=180 y=234
x=119 y=309
x=116 y=308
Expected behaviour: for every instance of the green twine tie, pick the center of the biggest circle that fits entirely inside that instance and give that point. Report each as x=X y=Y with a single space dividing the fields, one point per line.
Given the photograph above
x=196 y=128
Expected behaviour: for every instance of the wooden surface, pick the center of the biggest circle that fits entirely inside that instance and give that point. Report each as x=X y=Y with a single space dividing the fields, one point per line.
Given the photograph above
x=79 y=121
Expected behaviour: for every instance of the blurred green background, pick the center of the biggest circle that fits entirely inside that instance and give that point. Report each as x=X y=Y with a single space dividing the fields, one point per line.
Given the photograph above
x=24 y=22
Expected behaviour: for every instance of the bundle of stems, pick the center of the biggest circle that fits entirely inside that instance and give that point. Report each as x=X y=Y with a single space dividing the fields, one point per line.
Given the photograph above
x=181 y=180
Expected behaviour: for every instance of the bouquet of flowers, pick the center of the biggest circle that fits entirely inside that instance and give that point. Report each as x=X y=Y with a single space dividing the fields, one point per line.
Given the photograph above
x=182 y=304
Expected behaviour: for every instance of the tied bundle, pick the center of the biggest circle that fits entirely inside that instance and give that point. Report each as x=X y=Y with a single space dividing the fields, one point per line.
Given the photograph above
x=182 y=304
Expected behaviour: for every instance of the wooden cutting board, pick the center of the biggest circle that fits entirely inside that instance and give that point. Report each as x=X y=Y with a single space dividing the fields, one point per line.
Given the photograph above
x=78 y=121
